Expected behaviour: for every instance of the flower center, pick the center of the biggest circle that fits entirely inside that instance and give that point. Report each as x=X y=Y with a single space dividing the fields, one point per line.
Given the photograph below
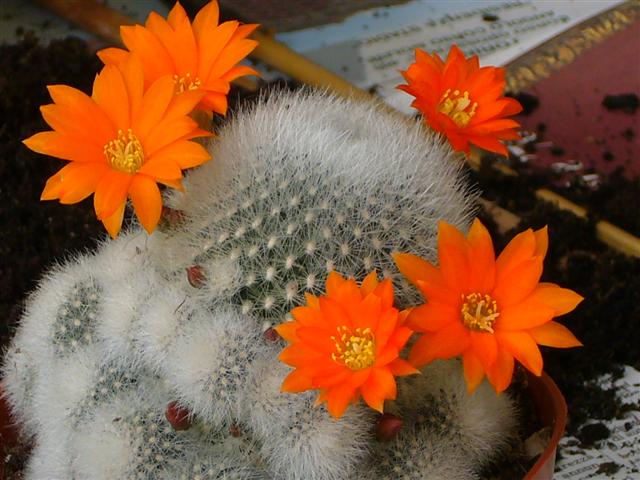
x=355 y=350
x=479 y=312
x=457 y=107
x=186 y=83
x=125 y=153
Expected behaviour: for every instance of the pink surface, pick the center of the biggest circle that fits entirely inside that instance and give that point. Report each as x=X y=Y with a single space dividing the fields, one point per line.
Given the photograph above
x=571 y=106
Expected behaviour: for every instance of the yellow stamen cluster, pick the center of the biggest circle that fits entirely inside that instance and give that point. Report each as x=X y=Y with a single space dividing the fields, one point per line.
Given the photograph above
x=125 y=153
x=458 y=108
x=479 y=312
x=355 y=350
x=186 y=83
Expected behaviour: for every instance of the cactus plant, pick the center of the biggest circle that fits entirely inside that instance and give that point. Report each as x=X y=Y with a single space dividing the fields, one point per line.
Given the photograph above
x=300 y=184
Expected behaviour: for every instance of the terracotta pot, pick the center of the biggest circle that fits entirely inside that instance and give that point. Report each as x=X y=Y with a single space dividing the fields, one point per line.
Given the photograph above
x=552 y=412
x=547 y=398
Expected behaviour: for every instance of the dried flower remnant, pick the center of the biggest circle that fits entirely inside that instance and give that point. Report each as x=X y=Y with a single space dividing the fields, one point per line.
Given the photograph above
x=462 y=100
x=120 y=143
x=347 y=344
x=199 y=56
x=491 y=311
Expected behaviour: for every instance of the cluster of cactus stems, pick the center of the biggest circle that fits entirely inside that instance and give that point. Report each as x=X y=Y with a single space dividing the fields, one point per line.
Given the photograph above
x=153 y=358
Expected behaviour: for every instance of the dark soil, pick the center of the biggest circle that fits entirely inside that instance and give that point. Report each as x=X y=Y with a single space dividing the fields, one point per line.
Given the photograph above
x=36 y=234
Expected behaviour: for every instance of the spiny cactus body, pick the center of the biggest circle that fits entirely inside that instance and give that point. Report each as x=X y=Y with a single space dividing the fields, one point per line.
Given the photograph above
x=300 y=184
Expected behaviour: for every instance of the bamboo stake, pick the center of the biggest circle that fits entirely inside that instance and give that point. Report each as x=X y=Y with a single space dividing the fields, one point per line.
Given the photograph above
x=105 y=22
x=286 y=60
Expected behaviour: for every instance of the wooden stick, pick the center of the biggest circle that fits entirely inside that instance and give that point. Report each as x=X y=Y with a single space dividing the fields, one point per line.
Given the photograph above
x=105 y=22
x=286 y=60
x=613 y=236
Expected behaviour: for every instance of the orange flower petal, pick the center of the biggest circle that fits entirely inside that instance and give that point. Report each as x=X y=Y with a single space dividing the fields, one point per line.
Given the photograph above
x=166 y=132
x=69 y=124
x=111 y=193
x=79 y=180
x=175 y=183
x=231 y=55
x=501 y=372
x=522 y=346
x=147 y=202
x=112 y=55
x=387 y=324
x=287 y=331
x=155 y=58
x=401 y=368
x=307 y=316
x=385 y=355
x=431 y=317
x=297 y=354
x=553 y=334
x=153 y=107
x=239 y=71
x=449 y=342
x=484 y=347
x=161 y=168
x=400 y=337
x=316 y=338
x=561 y=300
x=206 y=18
x=384 y=290
x=110 y=93
x=177 y=16
x=295 y=382
x=66 y=147
x=452 y=254
x=542 y=241
x=473 y=371
x=334 y=313
x=332 y=377
x=482 y=263
x=369 y=284
x=113 y=223
x=518 y=284
x=338 y=399
x=415 y=268
x=215 y=40
x=522 y=316
x=216 y=102
x=521 y=248
x=183 y=153
x=52 y=188
x=379 y=386
x=133 y=77
x=367 y=313
x=81 y=106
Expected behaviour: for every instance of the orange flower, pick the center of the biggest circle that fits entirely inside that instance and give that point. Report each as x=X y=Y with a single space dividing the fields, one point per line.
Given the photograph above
x=120 y=142
x=462 y=100
x=488 y=310
x=199 y=56
x=347 y=344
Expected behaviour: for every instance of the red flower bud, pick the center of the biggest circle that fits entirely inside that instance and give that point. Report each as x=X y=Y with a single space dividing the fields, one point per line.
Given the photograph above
x=172 y=217
x=271 y=335
x=235 y=431
x=387 y=427
x=178 y=416
x=196 y=276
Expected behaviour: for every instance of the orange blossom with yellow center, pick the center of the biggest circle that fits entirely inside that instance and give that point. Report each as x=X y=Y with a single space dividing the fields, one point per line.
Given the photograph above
x=120 y=143
x=490 y=311
x=347 y=344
